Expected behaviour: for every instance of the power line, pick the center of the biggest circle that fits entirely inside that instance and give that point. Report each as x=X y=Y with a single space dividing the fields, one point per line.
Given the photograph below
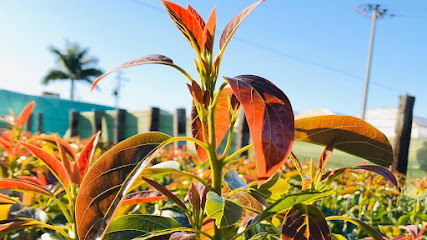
x=291 y=57
x=315 y=64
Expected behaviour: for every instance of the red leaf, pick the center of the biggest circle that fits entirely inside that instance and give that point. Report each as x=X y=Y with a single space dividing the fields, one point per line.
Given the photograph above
x=305 y=222
x=64 y=160
x=166 y=192
x=42 y=179
x=209 y=31
x=10 y=151
x=195 y=91
x=33 y=180
x=143 y=197
x=222 y=122
x=381 y=171
x=52 y=163
x=86 y=154
x=232 y=26
x=52 y=139
x=330 y=175
x=5 y=199
x=25 y=114
x=149 y=59
x=22 y=186
x=193 y=11
x=270 y=119
x=186 y=22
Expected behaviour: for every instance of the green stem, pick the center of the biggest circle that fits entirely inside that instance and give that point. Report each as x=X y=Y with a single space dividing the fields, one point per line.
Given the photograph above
x=198 y=142
x=63 y=209
x=238 y=152
x=197 y=178
x=229 y=140
x=179 y=69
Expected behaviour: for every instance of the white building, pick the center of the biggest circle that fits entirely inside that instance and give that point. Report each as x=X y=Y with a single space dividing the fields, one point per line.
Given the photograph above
x=385 y=120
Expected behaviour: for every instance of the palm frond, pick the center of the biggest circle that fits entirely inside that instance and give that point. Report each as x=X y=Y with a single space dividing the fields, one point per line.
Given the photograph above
x=54 y=75
x=91 y=72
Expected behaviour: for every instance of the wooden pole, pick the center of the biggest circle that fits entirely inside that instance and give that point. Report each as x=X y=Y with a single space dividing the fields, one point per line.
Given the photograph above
x=119 y=126
x=74 y=123
x=154 y=119
x=40 y=122
x=242 y=134
x=97 y=120
x=403 y=133
x=29 y=125
x=179 y=125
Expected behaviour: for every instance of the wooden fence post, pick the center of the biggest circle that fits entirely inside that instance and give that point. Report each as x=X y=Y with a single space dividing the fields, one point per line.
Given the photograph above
x=403 y=133
x=119 y=126
x=29 y=125
x=154 y=118
x=74 y=123
x=40 y=122
x=97 y=120
x=179 y=125
x=242 y=134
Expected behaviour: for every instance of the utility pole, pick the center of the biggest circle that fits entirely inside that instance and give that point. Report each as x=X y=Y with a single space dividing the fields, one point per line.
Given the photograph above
x=116 y=90
x=377 y=12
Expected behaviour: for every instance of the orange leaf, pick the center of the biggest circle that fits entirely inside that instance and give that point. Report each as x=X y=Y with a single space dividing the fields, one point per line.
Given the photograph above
x=5 y=199
x=222 y=122
x=353 y=135
x=209 y=31
x=86 y=154
x=52 y=139
x=33 y=180
x=270 y=119
x=143 y=197
x=186 y=22
x=51 y=162
x=193 y=11
x=64 y=160
x=22 y=186
x=25 y=114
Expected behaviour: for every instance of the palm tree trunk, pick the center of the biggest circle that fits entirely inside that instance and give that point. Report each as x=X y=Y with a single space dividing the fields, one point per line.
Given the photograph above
x=72 y=90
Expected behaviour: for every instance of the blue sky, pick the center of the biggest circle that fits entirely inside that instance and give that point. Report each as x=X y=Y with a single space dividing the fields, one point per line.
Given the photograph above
x=315 y=51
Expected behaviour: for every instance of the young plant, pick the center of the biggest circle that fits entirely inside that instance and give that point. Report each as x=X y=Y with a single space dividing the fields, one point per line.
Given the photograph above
x=218 y=204
x=224 y=202
x=49 y=204
x=9 y=139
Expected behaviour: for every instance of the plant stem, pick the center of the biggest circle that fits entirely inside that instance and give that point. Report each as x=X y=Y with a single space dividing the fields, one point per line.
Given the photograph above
x=238 y=152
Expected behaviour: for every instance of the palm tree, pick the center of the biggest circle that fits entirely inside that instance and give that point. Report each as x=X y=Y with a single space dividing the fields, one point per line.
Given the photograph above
x=74 y=65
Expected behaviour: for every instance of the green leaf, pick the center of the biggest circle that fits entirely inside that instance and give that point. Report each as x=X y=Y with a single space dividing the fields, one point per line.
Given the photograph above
x=20 y=223
x=273 y=188
x=109 y=179
x=290 y=200
x=33 y=213
x=370 y=230
x=162 y=168
x=335 y=236
x=233 y=181
x=304 y=222
x=247 y=201
x=138 y=225
x=224 y=211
